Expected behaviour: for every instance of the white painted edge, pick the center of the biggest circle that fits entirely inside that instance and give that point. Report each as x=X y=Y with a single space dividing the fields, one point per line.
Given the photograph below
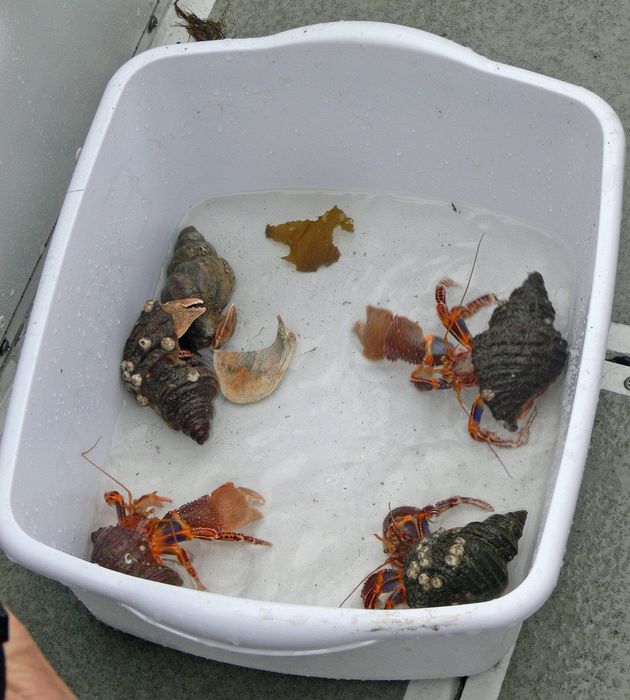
x=439 y=689
x=619 y=338
x=482 y=686
x=613 y=378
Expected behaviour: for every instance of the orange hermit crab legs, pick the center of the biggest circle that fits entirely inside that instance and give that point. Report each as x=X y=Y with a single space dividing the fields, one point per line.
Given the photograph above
x=210 y=517
x=457 y=370
x=404 y=527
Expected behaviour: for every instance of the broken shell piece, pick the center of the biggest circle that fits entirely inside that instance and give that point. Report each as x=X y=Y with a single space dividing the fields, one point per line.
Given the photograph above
x=247 y=377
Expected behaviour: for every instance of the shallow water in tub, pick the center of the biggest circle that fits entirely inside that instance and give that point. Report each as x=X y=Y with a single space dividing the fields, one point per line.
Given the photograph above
x=342 y=439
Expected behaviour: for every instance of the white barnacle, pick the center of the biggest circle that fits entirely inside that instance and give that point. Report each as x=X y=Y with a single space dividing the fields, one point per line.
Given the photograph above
x=424 y=581
x=457 y=549
x=142 y=400
x=412 y=570
x=128 y=559
x=451 y=560
x=487 y=394
x=424 y=562
x=460 y=540
x=422 y=548
x=437 y=582
x=144 y=343
x=168 y=343
x=126 y=366
x=148 y=307
x=192 y=375
x=126 y=376
x=136 y=379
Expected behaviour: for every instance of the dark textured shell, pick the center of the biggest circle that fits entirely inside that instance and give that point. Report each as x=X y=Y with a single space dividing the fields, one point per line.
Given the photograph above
x=180 y=390
x=196 y=270
x=463 y=565
x=127 y=551
x=520 y=353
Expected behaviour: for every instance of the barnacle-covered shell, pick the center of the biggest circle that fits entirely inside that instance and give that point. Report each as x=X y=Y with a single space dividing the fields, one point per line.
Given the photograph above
x=179 y=386
x=126 y=550
x=195 y=270
x=520 y=353
x=463 y=565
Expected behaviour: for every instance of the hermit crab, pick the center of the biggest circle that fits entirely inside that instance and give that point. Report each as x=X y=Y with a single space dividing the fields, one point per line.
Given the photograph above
x=512 y=362
x=162 y=362
x=138 y=543
x=460 y=565
x=463 y=565
x=403 y=527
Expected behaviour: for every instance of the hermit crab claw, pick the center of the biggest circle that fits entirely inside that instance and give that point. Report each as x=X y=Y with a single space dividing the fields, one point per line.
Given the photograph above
x=246 y=377
x=225 y=327
x=184 y=312
x=233 y=505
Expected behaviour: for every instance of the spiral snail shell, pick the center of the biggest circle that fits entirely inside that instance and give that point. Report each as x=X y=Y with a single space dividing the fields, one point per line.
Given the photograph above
x=195 y=270
x=463 y=565
x=128 y=551
x=520 y=353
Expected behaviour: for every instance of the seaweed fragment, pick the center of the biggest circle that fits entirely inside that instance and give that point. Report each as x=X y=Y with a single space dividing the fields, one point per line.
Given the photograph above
x=201 y=29
x=311 y=242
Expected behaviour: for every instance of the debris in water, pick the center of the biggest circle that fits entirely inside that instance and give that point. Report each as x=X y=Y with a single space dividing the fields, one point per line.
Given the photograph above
x=201 y=29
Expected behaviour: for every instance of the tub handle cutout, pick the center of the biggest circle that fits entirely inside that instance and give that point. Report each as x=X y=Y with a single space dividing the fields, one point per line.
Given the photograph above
x=237 y=648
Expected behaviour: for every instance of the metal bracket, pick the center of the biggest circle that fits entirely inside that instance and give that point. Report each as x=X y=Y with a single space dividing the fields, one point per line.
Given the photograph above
x=616 y=374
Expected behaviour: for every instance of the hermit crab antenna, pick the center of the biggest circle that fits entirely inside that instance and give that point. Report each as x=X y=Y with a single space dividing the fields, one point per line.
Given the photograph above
x=114 y=479
x=472 y=269
x=494 y=452
x=363 y=580
x=401 y=534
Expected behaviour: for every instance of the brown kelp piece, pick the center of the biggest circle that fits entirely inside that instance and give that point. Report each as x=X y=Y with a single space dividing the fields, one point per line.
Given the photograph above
x=311 y=242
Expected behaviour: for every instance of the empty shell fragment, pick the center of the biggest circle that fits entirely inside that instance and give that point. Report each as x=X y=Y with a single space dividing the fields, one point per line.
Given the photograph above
x=246 y=377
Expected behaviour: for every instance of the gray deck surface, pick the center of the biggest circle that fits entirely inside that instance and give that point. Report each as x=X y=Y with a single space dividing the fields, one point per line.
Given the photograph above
x=576 y=646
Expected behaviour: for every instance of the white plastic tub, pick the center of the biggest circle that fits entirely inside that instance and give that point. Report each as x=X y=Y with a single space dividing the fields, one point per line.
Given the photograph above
x=347 y=107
